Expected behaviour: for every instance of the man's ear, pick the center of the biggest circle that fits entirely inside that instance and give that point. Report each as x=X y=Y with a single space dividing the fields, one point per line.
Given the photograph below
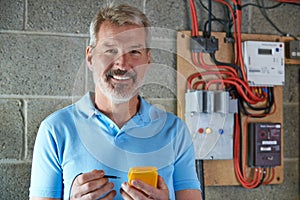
x=88 y=57
x=148 y=65
x=149 y=57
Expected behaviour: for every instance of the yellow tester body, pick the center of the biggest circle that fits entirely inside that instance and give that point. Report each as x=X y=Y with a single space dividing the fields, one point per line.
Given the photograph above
x=147 y=174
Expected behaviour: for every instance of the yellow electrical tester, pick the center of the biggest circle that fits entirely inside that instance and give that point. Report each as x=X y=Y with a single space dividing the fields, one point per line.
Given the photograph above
x=147 y=174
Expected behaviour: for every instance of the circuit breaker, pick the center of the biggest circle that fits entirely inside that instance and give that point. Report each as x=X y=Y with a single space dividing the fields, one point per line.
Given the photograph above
x=264 y=146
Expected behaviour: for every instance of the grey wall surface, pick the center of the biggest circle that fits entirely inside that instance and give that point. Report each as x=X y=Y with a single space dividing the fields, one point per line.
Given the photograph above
x=42 y=68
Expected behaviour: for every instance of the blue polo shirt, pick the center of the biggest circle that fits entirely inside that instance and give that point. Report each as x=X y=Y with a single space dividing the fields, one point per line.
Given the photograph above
x=79 y=138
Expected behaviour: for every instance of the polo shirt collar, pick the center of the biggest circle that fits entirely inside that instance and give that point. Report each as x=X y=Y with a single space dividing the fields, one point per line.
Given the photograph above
x=147 y=114
x=86 y=106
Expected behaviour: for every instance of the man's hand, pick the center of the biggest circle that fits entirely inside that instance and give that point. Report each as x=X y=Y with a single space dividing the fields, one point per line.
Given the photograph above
x=92 y=185
x=140 y=190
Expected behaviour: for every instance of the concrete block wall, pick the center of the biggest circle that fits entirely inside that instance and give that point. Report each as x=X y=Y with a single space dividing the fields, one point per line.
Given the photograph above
x=42 y=68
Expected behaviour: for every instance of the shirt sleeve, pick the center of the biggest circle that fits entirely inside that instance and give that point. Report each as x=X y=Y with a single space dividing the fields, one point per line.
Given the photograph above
x=185 y=176
x=46 y=172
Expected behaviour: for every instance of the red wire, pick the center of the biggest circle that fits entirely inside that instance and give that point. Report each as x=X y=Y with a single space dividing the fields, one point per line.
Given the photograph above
x=231 y=77
x=234 y=26
x=196 y=85
x=200 y=56
x=237 y=3
x=190 y=79
x=194 y=19
x=204 y=73
x=249 y=91
x=230 y=80
x=241 y=175
x=238 y=87
x=199 y=62
x=271 y=176
x=264 y=114
x=258 y=171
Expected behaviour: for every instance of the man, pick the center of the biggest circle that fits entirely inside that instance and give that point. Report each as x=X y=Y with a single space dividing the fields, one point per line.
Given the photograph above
x=113 y=129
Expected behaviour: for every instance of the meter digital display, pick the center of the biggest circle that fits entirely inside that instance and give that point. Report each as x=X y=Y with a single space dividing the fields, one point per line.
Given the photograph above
x=265 y=51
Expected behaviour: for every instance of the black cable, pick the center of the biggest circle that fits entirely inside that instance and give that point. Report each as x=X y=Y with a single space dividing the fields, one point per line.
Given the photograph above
x=262 y=178
x=241 y=141
x=226 y=23
x=295 y=4
x=267 y=108
x=259 y=6
x=70 y=191
x=242 y=102
x=229 y=22
x=269 y=7
x=263 y=9
x=237 y=68
x=221 y=21
x=205 y=8
x=241 y=106
x=200 y=174
x=245 y=112
x=209 y=18
x=264 y=13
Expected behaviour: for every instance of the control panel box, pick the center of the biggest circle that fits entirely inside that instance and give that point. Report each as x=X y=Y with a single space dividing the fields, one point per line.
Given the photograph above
x=210 y=119
x=264 y=148
x=264 y=62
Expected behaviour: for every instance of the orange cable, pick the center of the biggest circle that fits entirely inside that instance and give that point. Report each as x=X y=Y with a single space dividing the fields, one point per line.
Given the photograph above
x=234 y=27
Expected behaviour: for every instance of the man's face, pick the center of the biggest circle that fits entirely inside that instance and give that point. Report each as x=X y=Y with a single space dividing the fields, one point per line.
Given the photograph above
x=119 y=60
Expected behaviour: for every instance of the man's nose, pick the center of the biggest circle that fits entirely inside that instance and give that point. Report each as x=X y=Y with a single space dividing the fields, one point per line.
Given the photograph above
x=122 y=60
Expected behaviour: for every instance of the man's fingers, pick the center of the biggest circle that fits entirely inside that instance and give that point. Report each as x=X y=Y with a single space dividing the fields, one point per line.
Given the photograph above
x=89 y=176
x=110 y=195
x=161 y=192
x=144 y=187
x=92 y=185
x=161 y=184
x=125 y=195
x=131 y=191
x=100 y=185
x=95 y=194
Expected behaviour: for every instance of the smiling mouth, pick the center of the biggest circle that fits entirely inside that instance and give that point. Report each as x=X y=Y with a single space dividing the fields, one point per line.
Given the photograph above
x=121 y=78
x=121 y=75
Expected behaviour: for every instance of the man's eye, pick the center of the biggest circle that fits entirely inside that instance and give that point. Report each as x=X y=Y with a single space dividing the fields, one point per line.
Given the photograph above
x=135 y=52
x=111 y=51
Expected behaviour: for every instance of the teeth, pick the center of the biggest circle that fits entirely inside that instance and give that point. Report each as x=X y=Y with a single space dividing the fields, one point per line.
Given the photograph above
x=121 y=77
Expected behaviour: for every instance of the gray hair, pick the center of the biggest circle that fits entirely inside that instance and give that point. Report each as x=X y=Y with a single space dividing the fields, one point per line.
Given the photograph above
x=120 y=15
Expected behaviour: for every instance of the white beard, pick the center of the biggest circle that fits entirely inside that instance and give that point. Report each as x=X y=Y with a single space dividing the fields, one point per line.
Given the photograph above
x=118 y=93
